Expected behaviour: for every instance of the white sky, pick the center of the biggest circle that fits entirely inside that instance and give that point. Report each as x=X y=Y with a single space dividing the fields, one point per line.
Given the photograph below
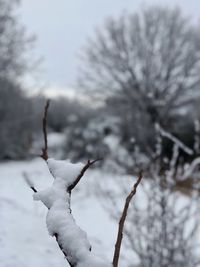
x=63 y=26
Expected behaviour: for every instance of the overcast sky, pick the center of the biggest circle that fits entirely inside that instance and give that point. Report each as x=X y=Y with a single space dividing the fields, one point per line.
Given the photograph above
x=63 y=26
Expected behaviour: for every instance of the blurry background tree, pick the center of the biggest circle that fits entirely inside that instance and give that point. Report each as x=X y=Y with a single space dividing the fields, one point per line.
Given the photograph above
x=15 y=119
x=64 y=111
x=162 y=229
x=143 y=69
x=15 y=107
x=14 y=42
x=146 y=68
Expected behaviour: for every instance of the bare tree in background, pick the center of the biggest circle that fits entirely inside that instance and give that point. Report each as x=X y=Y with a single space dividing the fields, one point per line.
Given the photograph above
x=163 y=225
x=164 y=231
x=15 y=107
x=14 y=41
x=146 y=66
x=16 y=121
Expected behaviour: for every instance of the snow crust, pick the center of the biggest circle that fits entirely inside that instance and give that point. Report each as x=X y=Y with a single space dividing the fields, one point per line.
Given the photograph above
x=60 y=222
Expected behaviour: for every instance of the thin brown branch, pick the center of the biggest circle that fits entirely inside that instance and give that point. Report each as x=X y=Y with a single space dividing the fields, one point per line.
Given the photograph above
x=122 y=222
x=44 y=127
x=87 y=166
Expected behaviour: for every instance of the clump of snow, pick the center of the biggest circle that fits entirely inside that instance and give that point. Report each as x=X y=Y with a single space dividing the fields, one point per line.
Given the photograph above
x=60 y=222
x=65 y=170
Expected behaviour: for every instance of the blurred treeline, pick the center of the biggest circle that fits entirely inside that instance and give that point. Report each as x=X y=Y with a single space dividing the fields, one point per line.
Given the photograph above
x=89 y=132
x=139 y=70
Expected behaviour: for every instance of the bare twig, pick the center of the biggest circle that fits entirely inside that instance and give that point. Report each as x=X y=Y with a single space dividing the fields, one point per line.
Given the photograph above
x=29 y=182
x=33 y=188
x=44 y=127
x=122 y=222
x=88 y=164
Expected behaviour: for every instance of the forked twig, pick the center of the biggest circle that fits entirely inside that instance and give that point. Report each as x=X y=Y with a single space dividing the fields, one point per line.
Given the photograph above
x=122 y=221
x=73 y=262
x=44 y=128
x=58 y=234
x=44 y=155
x=87 y=166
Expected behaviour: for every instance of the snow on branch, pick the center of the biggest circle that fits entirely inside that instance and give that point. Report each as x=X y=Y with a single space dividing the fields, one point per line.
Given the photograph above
x=60 y=222
x=175 y=140
x=71 y=239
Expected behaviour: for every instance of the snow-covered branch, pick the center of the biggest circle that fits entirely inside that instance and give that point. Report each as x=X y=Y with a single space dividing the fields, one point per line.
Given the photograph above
x=71 y=239
x=60 y=222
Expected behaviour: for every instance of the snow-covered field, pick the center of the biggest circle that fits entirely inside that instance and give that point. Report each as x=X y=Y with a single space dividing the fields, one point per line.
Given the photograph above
x=24 y=239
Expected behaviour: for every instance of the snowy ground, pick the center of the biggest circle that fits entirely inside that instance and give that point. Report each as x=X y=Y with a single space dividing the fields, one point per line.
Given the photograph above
x=24 y=240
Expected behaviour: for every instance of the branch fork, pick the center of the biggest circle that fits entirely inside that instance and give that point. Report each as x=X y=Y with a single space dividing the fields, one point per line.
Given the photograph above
x=71 y=239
